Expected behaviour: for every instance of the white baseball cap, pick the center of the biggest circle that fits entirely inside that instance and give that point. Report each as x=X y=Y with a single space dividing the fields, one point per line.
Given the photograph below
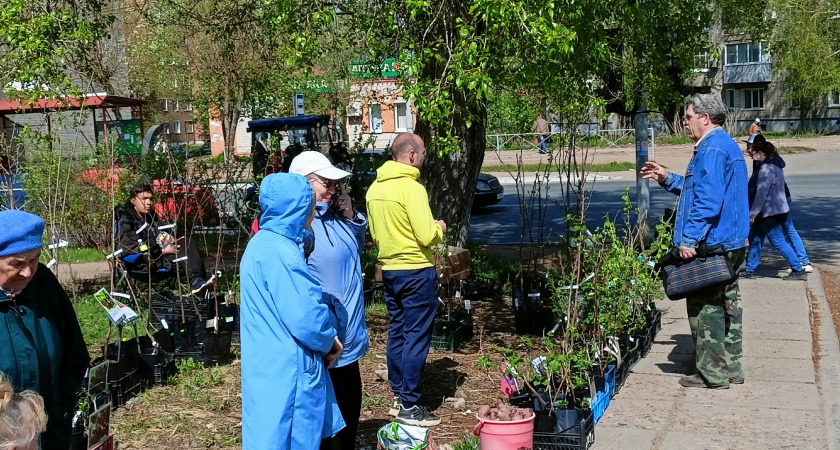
x=315 y=162
x=757 y=120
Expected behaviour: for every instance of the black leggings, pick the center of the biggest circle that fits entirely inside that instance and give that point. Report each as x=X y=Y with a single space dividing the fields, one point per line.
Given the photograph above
x=347 y=383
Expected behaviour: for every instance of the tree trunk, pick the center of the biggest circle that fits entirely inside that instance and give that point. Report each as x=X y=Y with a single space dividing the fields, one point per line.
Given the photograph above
x=230 y=118
x=450 y=179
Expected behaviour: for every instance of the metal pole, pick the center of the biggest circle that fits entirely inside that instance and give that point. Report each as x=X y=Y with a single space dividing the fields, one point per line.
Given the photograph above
x=642 y=188
x=652 y=145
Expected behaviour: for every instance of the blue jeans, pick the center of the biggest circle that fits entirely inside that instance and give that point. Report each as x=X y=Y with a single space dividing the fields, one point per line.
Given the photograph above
x=775 y=232
x=412 y=300
x=543 y=138
x=757 y=241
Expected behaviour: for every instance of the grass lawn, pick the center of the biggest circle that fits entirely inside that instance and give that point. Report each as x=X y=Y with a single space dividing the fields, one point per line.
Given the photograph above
x=75 y=255
x=591 y=168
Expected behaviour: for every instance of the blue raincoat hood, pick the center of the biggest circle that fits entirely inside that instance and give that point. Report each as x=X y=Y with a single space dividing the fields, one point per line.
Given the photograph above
x=285 y=200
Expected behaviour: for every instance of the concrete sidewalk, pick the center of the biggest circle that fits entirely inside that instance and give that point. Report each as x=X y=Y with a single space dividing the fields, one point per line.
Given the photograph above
x=789 y=399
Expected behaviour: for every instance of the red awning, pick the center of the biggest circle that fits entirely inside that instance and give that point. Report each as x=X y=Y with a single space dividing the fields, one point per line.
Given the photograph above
x=67 y=104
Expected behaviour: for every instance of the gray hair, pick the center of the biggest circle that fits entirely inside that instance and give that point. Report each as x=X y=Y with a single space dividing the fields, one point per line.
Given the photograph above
x=710 y=104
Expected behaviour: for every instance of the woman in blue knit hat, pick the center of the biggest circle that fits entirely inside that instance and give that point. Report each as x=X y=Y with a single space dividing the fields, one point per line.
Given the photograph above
x=43 y=348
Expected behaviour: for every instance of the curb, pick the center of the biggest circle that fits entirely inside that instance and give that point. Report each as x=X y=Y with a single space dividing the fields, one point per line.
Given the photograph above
x=829 y=350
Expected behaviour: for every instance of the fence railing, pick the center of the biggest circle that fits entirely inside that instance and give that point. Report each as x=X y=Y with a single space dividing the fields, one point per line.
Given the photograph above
x=619 y=138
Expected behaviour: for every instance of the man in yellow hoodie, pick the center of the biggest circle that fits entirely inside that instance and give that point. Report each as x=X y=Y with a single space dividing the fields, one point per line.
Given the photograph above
x=404 y=229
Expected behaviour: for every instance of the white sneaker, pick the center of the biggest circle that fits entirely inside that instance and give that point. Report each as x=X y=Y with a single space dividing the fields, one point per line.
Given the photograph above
x=806 y=267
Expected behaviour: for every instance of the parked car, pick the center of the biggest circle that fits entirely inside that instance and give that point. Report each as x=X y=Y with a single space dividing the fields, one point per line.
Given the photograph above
x=488 y=191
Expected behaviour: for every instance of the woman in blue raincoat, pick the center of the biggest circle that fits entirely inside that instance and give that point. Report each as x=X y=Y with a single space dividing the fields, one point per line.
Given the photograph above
x=287 y=336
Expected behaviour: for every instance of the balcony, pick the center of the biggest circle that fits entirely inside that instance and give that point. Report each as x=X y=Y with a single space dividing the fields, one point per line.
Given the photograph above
x=747 y=73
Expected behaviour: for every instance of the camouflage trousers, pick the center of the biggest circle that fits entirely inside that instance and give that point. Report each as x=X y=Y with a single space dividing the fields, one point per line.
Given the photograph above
x=717 y=327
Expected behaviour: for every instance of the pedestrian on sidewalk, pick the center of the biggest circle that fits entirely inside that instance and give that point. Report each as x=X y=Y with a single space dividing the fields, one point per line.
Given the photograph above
x=543 y=130
x=756 y=243
x=404 y=229
x=713 y=208
x=42 y=345
x=755 y=127
x=769 y=210
x=288 y=334
x=336 y=263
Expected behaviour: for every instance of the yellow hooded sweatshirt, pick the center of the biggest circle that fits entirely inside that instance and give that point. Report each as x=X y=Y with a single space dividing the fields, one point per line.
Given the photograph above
x=399 y=218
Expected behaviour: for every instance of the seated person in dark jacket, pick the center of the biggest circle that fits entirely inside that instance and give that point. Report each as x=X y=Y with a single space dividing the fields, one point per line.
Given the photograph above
x=147 y=249
x=41 y=343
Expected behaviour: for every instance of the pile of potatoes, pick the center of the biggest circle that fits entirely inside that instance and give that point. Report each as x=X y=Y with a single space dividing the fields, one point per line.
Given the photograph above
x=504 y=413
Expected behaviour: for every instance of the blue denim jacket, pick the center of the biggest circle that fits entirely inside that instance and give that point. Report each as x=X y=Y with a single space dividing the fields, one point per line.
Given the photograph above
x=713 y=195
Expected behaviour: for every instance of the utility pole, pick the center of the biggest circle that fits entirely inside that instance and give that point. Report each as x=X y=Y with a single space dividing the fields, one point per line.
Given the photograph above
x=642 y=188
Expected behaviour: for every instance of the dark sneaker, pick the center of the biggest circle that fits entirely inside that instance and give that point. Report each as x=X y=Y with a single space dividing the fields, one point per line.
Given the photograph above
x=395 y=407
x=747 y=275
x=736 y=380
x=698 y=382
x=199 y=286
x=797 y=275
x=417 y=415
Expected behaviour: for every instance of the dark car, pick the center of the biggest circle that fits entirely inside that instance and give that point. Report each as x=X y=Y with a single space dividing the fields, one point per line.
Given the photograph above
x=488 y=191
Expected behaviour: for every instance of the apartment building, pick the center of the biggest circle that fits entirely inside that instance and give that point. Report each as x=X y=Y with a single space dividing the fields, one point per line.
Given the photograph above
x=378 y=112
x=751 y=87
x=181 y=124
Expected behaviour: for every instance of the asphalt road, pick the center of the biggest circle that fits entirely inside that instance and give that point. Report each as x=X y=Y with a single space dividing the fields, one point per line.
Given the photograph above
x=813 y=178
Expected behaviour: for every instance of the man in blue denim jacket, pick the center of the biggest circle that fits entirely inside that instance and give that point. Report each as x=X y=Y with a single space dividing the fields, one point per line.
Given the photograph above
x=713 y=207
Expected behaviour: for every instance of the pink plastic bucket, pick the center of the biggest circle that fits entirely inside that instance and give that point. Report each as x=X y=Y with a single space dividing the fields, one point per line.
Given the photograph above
x=496 y=435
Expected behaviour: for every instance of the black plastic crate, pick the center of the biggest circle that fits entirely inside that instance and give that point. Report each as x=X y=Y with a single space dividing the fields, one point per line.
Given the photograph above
x=484 y=287
x=447 y=336
x=163 y=371
x=578 y=437
x=125 y=388
x=210 y=348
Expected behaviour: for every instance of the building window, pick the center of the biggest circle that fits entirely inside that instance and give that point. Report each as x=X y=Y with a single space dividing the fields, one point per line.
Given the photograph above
x=375 y=118
x=175 y=106
x=746 y=53
x=834 y=98
x=164 y=105
x=701 y=60
x=166 y=128
x=730 y=99
x=753 y=98
x=176 y=125
x=402 y=117
x=745 y=99
x=188 y=106
x=189 y=126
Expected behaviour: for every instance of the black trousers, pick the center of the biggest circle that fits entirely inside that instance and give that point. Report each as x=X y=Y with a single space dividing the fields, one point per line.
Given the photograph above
x=347 y=383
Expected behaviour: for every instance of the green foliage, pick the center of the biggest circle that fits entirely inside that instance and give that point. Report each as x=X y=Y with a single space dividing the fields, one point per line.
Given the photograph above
x=93 y=321
x=508 y=112
x=252 y=67
x=613 y=166
x=158 y=165
x=483 y=264
x=40 y=38
x=76 y=255
x=601 y=288
x=469 y=443
x=72 y=192
x=805 y=47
